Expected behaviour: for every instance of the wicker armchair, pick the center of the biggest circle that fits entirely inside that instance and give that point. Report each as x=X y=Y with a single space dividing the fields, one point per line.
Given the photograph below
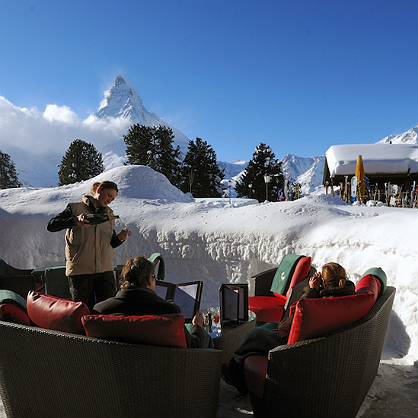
x=19 y=281
x=328 y=376
x=267 y=306
x=53 y=374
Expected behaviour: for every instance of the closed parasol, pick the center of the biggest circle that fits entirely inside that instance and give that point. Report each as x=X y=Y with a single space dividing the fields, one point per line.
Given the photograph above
x=360 y=174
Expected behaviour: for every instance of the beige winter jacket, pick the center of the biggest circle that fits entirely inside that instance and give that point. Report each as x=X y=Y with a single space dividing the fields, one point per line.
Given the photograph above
x=88 y=250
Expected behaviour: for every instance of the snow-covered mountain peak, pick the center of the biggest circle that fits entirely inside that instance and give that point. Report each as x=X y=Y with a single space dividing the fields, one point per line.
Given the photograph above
x=408 y=137
x=121 y=100
x=306 y=171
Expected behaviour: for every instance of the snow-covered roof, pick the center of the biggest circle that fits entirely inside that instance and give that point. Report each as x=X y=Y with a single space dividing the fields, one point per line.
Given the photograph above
x=377 y=159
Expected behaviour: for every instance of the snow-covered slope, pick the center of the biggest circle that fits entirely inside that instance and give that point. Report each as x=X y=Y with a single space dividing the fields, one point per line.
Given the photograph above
x=408 y=137
x=218 y=242
x=232 y=169
x=308 y=172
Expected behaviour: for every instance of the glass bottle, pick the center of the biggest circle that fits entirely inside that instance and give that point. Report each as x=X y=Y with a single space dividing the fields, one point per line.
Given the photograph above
x=98 y=218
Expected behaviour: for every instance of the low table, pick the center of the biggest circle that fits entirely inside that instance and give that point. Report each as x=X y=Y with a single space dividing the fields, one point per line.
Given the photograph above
x=233 y=334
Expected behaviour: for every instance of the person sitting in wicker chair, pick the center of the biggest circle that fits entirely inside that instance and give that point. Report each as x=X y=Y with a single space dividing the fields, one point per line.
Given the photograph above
x=332 y=281
x=137 y=297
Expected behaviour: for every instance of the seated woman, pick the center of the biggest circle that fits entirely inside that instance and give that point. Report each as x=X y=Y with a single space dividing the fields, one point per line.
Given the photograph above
x=332 y=282
x=137 y=297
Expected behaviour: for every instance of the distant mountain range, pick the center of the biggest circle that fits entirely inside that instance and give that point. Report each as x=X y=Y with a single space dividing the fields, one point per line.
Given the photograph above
x=121 y=107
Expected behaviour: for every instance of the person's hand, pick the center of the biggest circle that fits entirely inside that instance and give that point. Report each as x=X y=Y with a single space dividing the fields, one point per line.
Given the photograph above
x=125 y=233
x=315 y=281
x=198 y=319
x=80 y=221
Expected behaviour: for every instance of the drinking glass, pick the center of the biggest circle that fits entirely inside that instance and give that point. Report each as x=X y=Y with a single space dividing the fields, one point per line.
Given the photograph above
x=122 y=224
x=217 y=321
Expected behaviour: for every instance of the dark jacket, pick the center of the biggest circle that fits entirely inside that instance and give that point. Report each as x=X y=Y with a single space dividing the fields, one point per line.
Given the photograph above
x=144 y=301
x=285 y=324
x=264 y=338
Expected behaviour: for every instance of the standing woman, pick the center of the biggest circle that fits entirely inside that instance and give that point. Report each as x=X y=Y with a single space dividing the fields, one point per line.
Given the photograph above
x=89 y=247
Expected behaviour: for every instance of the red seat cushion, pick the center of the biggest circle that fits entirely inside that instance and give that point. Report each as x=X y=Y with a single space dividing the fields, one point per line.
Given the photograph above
x=255 y=370
x=13 y=307
x=144 y=329
x=267 y=308
x=369 y=283
x=11 y=313
x=301 y=272
x=315 y=317
x=50 y=312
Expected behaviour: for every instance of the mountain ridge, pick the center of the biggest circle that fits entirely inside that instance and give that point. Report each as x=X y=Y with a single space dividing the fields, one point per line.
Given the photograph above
x=47 y=135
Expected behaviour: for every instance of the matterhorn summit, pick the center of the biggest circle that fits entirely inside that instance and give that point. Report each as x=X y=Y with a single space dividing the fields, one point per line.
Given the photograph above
x=123 y=101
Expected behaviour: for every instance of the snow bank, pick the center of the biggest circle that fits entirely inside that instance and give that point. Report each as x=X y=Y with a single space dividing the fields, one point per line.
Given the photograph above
x=218 y=242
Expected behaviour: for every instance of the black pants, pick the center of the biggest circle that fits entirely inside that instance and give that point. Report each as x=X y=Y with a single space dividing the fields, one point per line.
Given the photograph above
x=92 y=288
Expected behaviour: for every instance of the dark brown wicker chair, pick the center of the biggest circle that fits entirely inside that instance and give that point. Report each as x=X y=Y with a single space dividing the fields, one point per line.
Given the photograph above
x=328 y=376
x=8 y=270
x=19 y=281
x=52 y=374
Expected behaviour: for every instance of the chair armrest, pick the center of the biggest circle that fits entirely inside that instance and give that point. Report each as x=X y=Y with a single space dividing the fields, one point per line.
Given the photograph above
x=260 y=284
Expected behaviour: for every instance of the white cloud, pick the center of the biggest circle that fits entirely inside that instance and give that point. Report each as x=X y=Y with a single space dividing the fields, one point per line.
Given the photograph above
x=26 y=133
x=57 y=113
x=110 y=125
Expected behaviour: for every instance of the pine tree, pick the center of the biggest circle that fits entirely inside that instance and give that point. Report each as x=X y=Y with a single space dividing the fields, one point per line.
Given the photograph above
x=139 y=146
x=8 y=175
x=166 y=158
x=153 y=146
x=263 y=163
x=81 y=162
x=201 y=174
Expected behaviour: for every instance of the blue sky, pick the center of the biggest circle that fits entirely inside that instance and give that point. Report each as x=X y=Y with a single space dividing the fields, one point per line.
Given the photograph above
x=299 y=75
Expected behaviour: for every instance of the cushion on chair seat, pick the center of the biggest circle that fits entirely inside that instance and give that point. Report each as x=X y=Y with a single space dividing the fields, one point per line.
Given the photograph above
x=255 y=370
x=380 y=275
x=316 y=317
x=141 y=329
x=369 y=283
x=13 y=307
x=10 y=312
x=284 y=273
x=301 y=272
x=51 y=312
x=267 y=308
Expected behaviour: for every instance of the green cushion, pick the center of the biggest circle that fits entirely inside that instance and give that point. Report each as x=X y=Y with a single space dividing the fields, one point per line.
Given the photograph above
x=284 y=273
x=155 y=258
x=56 y=282
x=8 y=295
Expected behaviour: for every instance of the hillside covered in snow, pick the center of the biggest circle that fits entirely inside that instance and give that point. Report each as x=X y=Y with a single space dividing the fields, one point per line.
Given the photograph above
x=218 y=242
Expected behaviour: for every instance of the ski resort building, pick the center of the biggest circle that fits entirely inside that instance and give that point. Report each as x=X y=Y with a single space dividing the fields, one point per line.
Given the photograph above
x=383 y=163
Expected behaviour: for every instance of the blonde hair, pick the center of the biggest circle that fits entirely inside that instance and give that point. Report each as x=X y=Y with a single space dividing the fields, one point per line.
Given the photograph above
x=334 y=275
x=103 y=185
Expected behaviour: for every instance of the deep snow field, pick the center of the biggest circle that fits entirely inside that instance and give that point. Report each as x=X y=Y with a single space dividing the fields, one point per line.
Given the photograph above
x=219 y=242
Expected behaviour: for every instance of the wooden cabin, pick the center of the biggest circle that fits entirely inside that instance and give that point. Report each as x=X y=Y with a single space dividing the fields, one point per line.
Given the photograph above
x=384 y=164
